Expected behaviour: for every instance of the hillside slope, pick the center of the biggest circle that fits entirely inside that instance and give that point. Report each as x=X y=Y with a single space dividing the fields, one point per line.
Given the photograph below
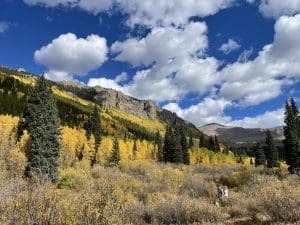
x=120 y=113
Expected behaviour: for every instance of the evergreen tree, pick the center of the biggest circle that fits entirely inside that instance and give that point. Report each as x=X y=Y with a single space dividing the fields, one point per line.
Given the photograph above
x=93 y=127
x=191 y=142
x=292 y=135
x=134 y=149
x=211 y=144
x=202 y=143
x=41 y=121
x=271 y=151
x=184 y=148
x=167 y=148
x=217 y=145
x=159 y=145
x=115 y=155
x=259 y=155
x=176 y=147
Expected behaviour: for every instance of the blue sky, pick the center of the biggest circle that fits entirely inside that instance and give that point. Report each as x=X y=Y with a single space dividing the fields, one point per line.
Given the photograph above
x=228 y=61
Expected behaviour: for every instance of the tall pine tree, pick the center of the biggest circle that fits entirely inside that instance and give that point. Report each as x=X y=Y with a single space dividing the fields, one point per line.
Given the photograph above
x=115 y=155
x=184 y=147
x=176 y=146
x=271 y=151
x=292 y=135
x=191 y=141
x=41 y=120
x=202 y=143
x=217 y=145
x=260 y=158
x=134 y=150
x=93 y=127
x=167 y=148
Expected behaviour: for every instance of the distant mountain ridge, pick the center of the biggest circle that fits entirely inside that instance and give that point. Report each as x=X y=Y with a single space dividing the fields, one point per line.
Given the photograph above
x=231 y=134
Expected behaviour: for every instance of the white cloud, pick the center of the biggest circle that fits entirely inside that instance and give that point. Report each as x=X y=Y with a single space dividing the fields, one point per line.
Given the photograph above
x=147 y=12
x=110 y=83
x=265 y=120
x=210 y=110
x=245 y=55
x=4 y=26
x=229 y=46
x=177 y=61
x=163 y=44
x=68 y=55
x=278 y=8
x=256 y=81
x=106 y=83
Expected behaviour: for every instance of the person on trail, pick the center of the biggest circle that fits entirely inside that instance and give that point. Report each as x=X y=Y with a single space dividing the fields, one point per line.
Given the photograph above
x=219 y=192
x=225 y=192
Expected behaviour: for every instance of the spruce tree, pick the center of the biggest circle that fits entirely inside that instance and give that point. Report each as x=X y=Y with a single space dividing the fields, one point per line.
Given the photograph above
x=211 y=144
x=291 y=133
x=184 y=147
x=159 y=145
x=260 y=158
x=134 y=149
x=191 y=141
x=93 y=127
x=217 y=145
x=115 y=155
x=271 y=151
x=202 y=143
x=167 y=148
x=176 y=147
x=41 y=120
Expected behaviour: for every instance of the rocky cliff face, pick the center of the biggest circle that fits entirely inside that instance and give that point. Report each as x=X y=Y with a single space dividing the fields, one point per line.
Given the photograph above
x=141 y=108
x=113 y=98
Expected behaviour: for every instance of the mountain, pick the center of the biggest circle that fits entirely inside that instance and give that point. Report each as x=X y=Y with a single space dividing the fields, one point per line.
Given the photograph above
x=231 y=134
x=121 y=113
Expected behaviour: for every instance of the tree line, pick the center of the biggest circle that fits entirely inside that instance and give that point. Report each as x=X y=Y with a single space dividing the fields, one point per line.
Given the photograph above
x=269 y=155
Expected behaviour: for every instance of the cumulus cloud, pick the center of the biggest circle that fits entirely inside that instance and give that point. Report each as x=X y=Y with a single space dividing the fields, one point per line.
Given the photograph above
x=110 y=83
x=275 y=66
x=210 y=110
x=265 y=120
x=147 y=12
x=4 y=26
x=229 y=46
x=278 y=8
x=177 y=61
x=68 y=55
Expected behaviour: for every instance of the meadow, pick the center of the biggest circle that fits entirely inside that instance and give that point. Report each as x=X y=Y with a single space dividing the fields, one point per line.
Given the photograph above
x=143 y=191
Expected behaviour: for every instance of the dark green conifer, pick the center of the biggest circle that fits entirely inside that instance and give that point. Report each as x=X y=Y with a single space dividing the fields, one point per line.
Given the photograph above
x=167 y=148
x=217 y=145
x=184 y=147
x=41 y=121
x=191 y=142
x=176 y=146
x=211 y=144
x=202 y=143
x=271 y=151
x=93 y=127
x=292 y=135
x=134 y=149
x=260 y=158
x=115 y=155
